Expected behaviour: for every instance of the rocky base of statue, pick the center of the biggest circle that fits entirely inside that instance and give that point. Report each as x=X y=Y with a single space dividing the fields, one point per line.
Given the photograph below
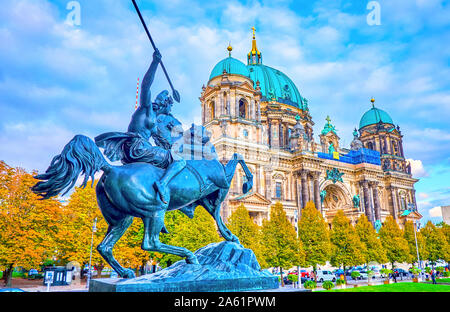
x=224 y=266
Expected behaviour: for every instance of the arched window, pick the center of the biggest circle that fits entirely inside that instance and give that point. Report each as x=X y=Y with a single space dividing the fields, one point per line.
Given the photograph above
x=278 y=190
x=394 y=148
x=243 y=110
x=212 y=109
x=370 y=145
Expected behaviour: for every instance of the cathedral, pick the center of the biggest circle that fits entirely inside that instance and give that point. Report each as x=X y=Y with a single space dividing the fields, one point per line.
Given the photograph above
x=257 y=111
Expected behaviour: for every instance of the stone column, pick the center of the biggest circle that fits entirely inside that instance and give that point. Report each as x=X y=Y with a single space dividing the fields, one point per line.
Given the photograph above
x=317 y=201
x=376 y=200
x=299 y=194
x=394 y=202
x=256 y=179
x=400 y=146
x=258 y=111
x=236 y=112
x=367 y=203
x=222 y=104
x=252 y=116
x=304 y=182
x=268 y=179
x=413 y=198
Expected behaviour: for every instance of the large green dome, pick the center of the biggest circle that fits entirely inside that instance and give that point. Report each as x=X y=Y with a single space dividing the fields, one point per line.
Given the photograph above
x=374 y=116
x=275 y=84
x=232 y=66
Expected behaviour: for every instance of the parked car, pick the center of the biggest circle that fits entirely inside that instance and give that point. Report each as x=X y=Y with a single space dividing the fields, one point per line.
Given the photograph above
x=401 y=272
x=363 y=275
x=304 y=274
x=338 y=272
x=324 y=275
x=376 y=273
x=33 y=272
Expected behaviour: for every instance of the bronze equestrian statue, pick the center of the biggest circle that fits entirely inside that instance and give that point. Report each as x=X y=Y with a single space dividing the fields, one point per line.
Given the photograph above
x=152 y=179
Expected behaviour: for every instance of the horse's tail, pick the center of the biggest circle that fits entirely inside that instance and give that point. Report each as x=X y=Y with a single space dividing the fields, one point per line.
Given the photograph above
x=79 y=156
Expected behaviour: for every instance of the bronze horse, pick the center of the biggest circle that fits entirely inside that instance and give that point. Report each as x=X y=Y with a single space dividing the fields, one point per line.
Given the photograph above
x=125 y=192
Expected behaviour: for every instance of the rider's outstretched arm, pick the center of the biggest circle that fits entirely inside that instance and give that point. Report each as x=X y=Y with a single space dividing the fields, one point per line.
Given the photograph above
x=146 y=99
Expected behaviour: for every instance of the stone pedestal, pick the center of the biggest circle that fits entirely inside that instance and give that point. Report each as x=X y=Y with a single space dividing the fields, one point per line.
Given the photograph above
x=224 y=267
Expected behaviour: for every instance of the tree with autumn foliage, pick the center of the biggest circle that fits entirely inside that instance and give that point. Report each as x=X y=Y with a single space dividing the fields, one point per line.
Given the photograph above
x=436 y=244
x=408 y=234
x=75 y=236
x=367 y=234
x=249 y=233
x=282 y=248
x=347 y=250
x=28 y=226
x=314 y=234
x=396 y=246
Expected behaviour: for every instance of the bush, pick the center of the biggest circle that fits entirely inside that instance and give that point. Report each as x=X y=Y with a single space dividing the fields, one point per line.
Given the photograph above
x=415 y=270
x=293 y=278
x=428 y=270
x=328 y=285
x=355 y=274
x=310 y=285
x=340 y=282
x=447 y=274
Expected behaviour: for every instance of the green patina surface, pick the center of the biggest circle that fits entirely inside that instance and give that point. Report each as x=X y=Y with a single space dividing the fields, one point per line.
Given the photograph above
x=374 y=116
x=273 y=83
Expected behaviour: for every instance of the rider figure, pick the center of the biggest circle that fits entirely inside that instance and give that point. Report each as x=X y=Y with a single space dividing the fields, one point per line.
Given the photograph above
x=168 y=130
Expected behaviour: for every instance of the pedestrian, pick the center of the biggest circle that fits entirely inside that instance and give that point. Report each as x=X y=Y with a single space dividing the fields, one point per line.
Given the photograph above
x=394 y=275
x=433 y=276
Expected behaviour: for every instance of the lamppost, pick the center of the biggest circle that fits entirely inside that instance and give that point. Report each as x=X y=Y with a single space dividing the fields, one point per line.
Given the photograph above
x=94 y=229
x=417 y=247
x=299 y=275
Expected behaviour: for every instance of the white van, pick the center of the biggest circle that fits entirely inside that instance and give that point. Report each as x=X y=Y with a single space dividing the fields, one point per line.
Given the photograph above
x=323 y=275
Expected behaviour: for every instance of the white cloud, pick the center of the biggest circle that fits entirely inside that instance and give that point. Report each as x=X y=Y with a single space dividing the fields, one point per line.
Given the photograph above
x=435 y=212
x=417 y=168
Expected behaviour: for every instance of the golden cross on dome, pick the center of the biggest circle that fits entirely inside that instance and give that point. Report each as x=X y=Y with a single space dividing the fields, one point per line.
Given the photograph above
x=328 y=119
x=254 y=29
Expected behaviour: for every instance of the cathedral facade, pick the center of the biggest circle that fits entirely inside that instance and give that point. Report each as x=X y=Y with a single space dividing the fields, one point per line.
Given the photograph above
x=257 y=111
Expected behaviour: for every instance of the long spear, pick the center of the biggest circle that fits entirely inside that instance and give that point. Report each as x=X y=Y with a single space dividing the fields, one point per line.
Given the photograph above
x=176 y=94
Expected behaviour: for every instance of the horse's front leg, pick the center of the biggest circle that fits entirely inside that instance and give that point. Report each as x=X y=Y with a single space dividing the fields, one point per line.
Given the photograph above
x=152 y=228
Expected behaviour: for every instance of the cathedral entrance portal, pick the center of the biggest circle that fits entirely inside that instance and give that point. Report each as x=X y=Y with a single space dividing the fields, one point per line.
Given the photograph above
x=335 y=198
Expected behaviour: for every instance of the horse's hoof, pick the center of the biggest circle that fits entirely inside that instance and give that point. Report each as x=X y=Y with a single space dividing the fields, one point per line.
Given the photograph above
x=128 y=274
x=192 y=260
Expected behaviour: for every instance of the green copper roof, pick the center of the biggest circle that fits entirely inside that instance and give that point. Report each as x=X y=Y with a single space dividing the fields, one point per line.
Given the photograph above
x=374 y=116
x=231 y=65
x=328 y=127
x=275 y=84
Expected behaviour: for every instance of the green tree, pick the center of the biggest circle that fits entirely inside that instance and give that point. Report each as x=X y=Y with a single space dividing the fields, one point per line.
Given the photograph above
x=347 y=247
x=445 y=229
x=394 y=243
x=408 y=234
x=367 y=234
x=249 y=233
x=314 y=235
x=189 y=233
x=282 y=249
x=436 y=244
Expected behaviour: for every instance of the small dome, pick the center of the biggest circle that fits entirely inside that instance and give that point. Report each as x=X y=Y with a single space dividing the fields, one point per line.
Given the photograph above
x=232 y=66
x=374 y=116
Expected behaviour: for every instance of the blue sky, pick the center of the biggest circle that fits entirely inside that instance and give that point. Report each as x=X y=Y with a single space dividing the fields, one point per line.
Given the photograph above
x=58 y=80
